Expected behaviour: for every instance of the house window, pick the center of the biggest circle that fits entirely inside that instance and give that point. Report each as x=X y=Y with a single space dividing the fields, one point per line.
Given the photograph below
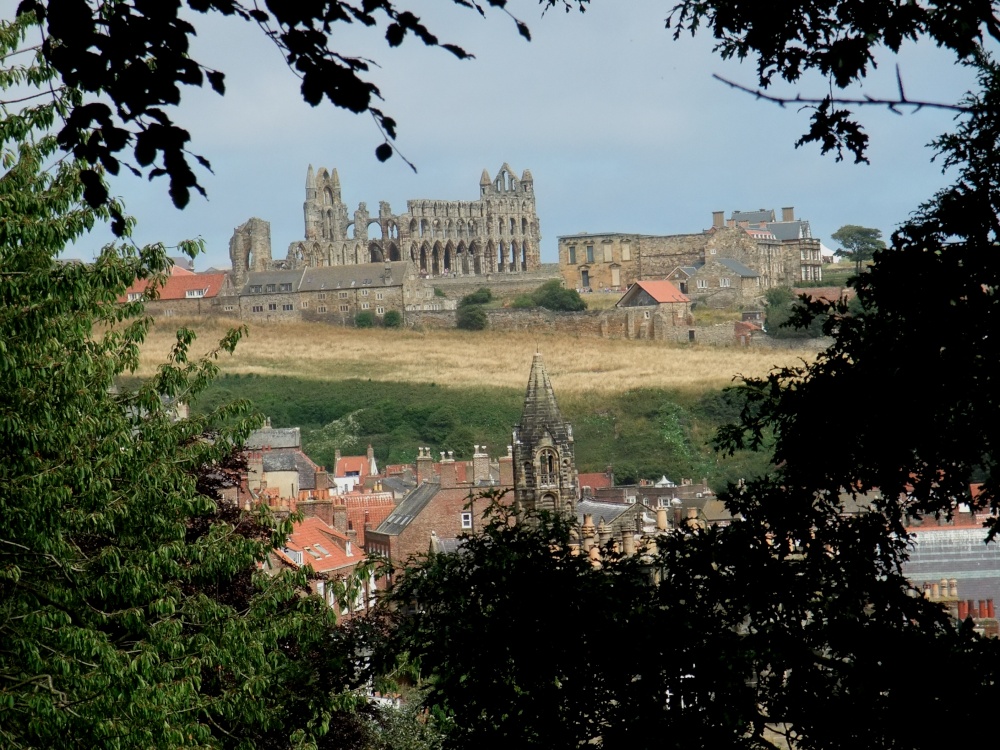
x=321 y=295
x=194 y=293
x=272 y=306
x=342 y=295
x=466 y=520
x=723 y=282
x=703 y=283
x=379 y=295
x=256 y=289
x=645 y=314
x=364 y=292
x=626 y=251
x=712 y=251
x=229 y=308
x=270 y=287
x=133 y=296
x=380 y=311
x=585 y=279
x=304 y=305
x=321 y=309
x=608 y=257
x=287 y=307
x=365 y=305
x=284 y=287
x=257 y=308
x=345 y=308
x=590 y=253
x=572 y=254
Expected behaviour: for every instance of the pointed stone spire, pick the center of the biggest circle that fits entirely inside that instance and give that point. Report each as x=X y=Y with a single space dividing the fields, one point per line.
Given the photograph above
x=310 y=178
x=526 y=176
x=335 y=179
x=485 y=179
x=540 y=400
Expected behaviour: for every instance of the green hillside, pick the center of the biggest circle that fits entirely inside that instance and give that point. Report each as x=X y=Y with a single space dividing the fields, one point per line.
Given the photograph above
x=640 y=433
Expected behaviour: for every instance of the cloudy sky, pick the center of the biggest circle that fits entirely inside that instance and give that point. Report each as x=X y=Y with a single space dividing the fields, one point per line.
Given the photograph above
x=623 y=128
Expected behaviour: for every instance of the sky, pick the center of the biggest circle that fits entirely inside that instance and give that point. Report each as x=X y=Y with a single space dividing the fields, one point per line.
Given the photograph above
x=623 y=128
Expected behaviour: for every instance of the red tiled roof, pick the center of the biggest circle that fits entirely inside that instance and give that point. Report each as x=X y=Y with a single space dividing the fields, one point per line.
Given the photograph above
x=357 y=464
x=180 y=283
x=594 y=480
x=662 y=291
x=311 y=535
x=370 y=507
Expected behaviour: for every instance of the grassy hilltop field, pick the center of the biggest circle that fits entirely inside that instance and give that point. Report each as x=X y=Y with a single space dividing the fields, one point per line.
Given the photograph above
x=646 y=408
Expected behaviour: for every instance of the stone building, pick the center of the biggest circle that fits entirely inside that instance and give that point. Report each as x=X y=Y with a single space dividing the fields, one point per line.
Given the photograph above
x=334 y=294
x=781 y=253
x=545 y=476
x=496 y=233
x=720 y=282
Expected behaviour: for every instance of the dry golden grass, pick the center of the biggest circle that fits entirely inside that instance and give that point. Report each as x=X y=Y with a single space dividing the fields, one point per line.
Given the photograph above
x=452 y=357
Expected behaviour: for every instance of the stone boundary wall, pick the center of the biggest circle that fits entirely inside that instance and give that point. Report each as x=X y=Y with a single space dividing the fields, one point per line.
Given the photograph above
x=503 y=286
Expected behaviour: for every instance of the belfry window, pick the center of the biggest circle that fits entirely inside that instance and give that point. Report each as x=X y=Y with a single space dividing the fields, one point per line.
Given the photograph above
x=548 y=466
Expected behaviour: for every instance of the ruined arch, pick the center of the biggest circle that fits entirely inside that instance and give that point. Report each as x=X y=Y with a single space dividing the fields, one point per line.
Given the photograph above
x=477 y=259
x=375 y=254
x=394 y=252
x=436 y=259
x=424 y=258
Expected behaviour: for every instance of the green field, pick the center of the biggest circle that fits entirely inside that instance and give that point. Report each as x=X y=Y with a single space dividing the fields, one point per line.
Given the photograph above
x=641 y=433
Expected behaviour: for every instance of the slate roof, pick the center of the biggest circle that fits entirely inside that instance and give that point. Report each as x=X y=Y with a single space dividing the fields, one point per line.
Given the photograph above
x=274 y=437
x=263 y=278
x=790 y=230
x=408 y=509
x=279 y=461
x=357 y=276
x=736 y=267
x=608 y=511
x=397 y=485
x=754 y=217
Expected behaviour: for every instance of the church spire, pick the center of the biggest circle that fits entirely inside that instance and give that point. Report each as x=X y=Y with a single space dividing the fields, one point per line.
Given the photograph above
x=545 y=475
x=540 y=400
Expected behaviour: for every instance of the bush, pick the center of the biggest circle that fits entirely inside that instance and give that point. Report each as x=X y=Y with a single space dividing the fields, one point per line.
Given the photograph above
x=392 y=319
x=779 y=310
x=552 y=295
x=471 y=318
x=364 y=319
x=479 y=297
x=438 y=292
x=522 y=301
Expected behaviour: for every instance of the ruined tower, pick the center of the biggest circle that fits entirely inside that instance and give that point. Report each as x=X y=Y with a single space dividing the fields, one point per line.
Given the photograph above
x=250 y=249
x=545 y=475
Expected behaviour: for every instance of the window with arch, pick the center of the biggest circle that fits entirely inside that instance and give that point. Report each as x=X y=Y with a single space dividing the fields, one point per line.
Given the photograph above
x=548 y=466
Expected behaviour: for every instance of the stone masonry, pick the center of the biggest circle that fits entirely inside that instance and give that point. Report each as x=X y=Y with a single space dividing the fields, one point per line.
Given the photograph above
x=498 y=233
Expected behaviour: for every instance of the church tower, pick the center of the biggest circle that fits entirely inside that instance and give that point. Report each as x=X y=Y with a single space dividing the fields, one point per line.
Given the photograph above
x=545 y=475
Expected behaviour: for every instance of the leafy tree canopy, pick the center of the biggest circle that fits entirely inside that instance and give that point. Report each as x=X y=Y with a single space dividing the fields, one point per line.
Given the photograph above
x=552 y=295
x=858 y=244
x=133 y=610
x=103 y=49
x=481 y=296
x=471 y=318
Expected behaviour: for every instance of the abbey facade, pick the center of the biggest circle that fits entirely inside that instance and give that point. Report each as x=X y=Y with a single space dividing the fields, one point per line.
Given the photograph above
x=497 y=233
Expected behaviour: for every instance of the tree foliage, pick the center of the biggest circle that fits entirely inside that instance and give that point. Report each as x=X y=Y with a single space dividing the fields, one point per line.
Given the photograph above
x=858 y=244
x=481 y=296
x=392 y=319
x=552 y=295
x=471 y=318
x=133 y=613
x=796 y=624
x=364 y=319
x=129 y=61
x=781 y=319
x=837 y=38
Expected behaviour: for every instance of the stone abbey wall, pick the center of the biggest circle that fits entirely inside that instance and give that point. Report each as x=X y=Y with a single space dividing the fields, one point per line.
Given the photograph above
x=498 y=233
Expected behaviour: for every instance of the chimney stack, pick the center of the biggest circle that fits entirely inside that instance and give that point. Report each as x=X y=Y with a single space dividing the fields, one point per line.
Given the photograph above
x=449 y=477
x=425 y=464
x=507 y=468
x=480 y=465
x=788 y=213
x=718 y=219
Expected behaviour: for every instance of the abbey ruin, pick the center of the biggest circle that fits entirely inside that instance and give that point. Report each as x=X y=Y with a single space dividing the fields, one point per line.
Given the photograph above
x=497 y=233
